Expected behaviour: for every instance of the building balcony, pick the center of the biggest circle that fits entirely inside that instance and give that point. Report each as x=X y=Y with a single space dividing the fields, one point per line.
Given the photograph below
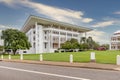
x=115 y=41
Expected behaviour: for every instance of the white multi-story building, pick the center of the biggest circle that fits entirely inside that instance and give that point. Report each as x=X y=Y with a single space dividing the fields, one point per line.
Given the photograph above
x=115 y=41
x=46 y=35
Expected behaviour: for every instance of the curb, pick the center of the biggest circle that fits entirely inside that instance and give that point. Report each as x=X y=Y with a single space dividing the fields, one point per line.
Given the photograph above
x=66 y=64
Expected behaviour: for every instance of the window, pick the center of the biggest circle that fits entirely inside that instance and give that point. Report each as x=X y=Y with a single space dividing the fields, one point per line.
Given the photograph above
x=45 y=38
x=34 y=38
x=75 y=35
x=33 y=45
x=55 y=32
x=55 y=39
x=69 y=34
x=55 y=45
x=63 y=39
x=45 y=45
x=45 y=32
x=62 y=33
x=33 y=32
x=24 y=51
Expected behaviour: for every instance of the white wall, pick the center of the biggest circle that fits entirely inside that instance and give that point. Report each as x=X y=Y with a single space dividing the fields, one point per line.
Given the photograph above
x=30 y=39
x=40 y=39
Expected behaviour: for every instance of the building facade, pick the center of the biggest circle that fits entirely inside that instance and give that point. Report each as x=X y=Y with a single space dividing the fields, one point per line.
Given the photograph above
x=47 y=35
x=115 y=41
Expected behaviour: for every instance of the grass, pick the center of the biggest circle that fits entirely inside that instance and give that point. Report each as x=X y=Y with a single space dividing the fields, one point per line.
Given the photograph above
x=107 y=57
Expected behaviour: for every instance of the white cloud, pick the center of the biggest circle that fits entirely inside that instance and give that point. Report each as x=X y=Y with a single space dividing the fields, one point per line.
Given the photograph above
x=87 y=20
x=57 y=13
x=61 y=14
x=99 y=36
x=7 y=1
x=7 y=27
x=118 y=12
x=53 y=11
x=103 y=24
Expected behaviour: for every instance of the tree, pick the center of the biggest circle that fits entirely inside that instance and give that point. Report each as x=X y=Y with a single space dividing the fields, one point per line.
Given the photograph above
x=72 y=44
x=85 y=46
x=106 y=46
x=1 y=48
x=83 y=40
x=90 y=42
x=96 y=45
x=14 y=40
x=66 y=45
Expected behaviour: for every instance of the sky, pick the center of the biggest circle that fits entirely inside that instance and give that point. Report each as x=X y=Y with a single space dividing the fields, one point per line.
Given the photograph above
x=103 y=16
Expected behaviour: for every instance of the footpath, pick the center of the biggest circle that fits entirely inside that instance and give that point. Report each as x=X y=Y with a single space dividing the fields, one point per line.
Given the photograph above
x=91 y=65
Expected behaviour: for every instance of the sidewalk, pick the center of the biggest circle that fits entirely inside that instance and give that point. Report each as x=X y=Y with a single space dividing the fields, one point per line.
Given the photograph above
x=67 y=64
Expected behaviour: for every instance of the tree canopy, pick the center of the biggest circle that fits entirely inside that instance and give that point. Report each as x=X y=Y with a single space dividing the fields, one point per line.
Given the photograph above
x=85 y=44
x=70 y=44
x=14 y=40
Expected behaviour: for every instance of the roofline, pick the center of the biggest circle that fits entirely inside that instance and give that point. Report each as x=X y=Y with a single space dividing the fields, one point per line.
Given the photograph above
x=26 y=22
x=51 y=20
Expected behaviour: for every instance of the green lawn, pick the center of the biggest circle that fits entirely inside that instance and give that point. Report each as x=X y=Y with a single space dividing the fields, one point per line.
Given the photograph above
x=108 y=57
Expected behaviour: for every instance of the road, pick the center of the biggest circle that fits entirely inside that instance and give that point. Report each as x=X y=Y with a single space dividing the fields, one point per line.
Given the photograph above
x=23 y=71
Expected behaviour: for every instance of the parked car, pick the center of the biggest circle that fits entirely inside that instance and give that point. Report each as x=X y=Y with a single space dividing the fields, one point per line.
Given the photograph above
x=101 y=48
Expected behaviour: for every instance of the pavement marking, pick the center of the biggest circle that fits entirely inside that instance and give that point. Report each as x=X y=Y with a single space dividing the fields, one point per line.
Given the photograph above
x=43 y=73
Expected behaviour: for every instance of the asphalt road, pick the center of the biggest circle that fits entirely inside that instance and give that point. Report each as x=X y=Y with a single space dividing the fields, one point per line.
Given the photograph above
x=23 y=71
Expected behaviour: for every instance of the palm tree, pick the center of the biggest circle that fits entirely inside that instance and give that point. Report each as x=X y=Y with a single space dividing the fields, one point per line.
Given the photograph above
x=90 y=42
x=83 y=40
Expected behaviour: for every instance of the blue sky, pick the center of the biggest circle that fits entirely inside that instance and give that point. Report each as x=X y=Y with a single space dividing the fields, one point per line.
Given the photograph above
x=101 y=15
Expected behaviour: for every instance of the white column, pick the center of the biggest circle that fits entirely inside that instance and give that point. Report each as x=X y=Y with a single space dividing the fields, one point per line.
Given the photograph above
x=66 y=33
x=85 y=34
x=36 y=42
x=72 y=33
x=49 y=44
x=92 y=56
x=59 y=38
x=2 y=57
x=79 y=38
x=9 y=57
x=118 y=60
x=51 y=39
x=41 y=57
x=40 y=39
x=71 y=58
x=32 y=41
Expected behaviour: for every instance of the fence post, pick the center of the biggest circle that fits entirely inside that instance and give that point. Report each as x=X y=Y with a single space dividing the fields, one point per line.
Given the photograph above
x=118 y=60
x=1 y=57
x=92 y=56
x=21 y=56
x=41 y=57
x=9 y=57
x=71 y=58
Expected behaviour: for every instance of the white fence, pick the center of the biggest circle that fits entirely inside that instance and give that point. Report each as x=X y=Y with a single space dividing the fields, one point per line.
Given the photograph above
x=71 y=57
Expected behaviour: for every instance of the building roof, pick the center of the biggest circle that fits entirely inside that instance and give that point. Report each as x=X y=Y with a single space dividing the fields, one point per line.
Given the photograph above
x=33 y=19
